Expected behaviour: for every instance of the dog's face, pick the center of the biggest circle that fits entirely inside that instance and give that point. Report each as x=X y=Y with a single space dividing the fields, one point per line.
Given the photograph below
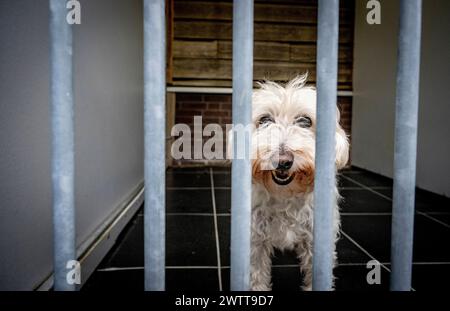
x=283 y=140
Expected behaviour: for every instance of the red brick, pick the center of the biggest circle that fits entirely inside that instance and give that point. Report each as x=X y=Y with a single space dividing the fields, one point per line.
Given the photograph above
x=215 y=106
x=192 y=105
x=217 y=98
x=225 y=106
x=216 y=113
x=191 y=112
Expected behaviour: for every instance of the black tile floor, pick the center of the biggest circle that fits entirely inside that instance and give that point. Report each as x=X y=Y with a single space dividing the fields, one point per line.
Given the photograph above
x=198 y=253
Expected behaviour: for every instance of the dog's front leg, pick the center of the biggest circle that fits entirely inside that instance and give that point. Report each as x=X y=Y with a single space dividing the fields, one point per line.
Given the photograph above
x=261 y=265
x=304 y=253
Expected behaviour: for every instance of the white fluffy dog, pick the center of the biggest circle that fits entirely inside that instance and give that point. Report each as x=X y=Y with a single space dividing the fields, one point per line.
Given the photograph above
x=283 y=143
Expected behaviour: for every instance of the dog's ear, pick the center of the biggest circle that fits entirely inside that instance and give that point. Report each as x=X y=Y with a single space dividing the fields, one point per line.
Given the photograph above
x=342 y=147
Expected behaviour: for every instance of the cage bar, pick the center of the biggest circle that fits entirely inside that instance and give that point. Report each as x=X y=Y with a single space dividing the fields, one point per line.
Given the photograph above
x=324 y=182
x=241 y=167
x=61 y=97
x=154 y=143
x=406 y=116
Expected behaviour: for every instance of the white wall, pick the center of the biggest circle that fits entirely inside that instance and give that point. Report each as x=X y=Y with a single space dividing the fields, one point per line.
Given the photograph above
x=375 y=54
x=108 y=127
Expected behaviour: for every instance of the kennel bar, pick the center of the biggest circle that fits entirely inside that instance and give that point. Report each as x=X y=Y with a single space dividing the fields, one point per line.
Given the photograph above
x=154 y=143
x=406 y=116
x=241 y=167
x=324 y=196
x=61 y=107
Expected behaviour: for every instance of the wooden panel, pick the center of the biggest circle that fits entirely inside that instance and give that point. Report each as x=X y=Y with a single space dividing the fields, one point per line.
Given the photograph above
x=283 y=71
x=307 y=53
x=170 y=122
x=202 y=82
x=263 y=32
x=203 y=30
x=349 y=4
x=292 y=2
x=169 y=39
x=221 y=69
x=262 y=50
x=263 y=12
x=224 y=49
x=204 y=10
x=285 y=41
x=195 y=49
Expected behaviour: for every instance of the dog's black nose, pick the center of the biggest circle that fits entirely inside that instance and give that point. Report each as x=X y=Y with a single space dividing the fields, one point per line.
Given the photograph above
x=285 y=160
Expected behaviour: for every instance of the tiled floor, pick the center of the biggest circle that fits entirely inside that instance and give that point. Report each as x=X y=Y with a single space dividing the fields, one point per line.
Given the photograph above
x=198 y=252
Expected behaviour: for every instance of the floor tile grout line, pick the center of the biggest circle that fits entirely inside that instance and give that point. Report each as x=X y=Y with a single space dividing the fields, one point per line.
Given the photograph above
x=436 y=213
x=390 y=199
x=363 y=249
x=352 y=172
x=432 y=218
x=190 y=214
x=190 y=267
x=367 y=253
x=199 y=214
x=343 y=214
x=365 y=214
x=112 y=269
x=344 y=264
x=216 y=228
x=361 y=188
x=367 y=188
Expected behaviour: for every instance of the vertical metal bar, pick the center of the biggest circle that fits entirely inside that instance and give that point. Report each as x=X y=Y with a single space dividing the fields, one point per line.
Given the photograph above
x=62 y=144
x=154 y=127
x=324 y=196
x=407 y=103
x=241 y=168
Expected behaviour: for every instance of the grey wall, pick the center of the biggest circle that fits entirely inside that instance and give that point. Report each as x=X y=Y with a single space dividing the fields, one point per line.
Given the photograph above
x=375 y=54
x=108 y=120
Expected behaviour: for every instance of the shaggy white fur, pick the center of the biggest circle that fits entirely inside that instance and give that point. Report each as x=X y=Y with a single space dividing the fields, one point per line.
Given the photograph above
x=283 y=146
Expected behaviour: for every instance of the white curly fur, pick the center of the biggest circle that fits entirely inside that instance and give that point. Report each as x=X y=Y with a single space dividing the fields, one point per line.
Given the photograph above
x=282 y=215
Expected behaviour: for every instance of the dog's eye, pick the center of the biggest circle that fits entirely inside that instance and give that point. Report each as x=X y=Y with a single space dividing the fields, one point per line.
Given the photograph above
x=266 y=120
x=304 y=122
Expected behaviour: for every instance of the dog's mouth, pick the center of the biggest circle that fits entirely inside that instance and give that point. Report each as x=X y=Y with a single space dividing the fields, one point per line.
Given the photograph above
x=282 y=177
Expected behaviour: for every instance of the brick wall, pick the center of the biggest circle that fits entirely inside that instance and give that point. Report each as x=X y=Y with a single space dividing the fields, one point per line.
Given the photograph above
x=213 y=108
x=217 y=109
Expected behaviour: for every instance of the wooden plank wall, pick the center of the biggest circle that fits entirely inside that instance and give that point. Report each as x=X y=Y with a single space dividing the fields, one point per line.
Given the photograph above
x=285 y=41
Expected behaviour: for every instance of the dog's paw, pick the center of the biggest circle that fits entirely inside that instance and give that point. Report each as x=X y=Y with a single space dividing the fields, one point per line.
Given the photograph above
x=307 y=288
x=261 y=287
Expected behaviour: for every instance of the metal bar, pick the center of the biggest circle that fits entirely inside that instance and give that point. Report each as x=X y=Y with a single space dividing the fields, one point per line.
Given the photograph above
x=406 y=116
x=324 y=196
x=154 y=127
x=62 y=144
x=241 y=168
